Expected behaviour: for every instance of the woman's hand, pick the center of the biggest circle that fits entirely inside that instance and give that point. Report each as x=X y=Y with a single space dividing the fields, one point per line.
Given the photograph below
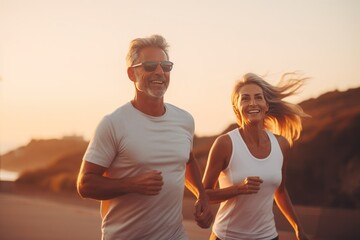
x=250 y=185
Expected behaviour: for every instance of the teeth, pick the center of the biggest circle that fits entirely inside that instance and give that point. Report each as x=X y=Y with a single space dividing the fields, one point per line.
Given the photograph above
x=158 y=82
x=254 y=111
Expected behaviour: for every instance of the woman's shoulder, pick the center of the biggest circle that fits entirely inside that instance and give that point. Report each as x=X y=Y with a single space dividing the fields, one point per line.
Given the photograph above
x=222 y=149
x=223 y=141
x=283 y=142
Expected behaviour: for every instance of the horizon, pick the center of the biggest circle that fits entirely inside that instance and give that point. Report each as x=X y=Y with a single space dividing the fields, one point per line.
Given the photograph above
x=9 y=148
x=62 y=63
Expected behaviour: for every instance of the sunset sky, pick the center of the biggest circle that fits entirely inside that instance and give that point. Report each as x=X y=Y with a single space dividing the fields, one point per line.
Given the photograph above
x=62 y=62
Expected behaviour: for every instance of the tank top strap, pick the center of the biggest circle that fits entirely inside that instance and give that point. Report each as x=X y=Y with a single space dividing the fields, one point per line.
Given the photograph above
x=233 y=134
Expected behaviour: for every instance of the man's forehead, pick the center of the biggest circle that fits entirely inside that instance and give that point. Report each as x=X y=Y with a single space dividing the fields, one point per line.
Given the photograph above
x=152 y=52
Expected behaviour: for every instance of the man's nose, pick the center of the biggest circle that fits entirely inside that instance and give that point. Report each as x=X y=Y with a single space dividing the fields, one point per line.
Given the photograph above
x=159 y=69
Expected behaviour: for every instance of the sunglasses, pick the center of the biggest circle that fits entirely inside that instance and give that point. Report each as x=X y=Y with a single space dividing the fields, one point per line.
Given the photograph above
x=150 y=66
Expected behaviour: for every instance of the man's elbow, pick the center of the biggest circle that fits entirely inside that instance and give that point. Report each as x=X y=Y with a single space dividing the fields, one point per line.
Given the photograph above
x=82 y=185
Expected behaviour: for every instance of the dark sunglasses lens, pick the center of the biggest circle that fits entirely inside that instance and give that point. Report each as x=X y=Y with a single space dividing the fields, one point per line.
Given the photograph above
x=166 y=66
x=150 y=66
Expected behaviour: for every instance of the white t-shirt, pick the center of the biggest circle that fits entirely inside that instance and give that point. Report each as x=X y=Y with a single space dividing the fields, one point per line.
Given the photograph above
x=249 y=216
x=129 y=142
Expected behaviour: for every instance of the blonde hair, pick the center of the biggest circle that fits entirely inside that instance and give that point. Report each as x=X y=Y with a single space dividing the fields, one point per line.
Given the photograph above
x=283 y=118
x=138 y=44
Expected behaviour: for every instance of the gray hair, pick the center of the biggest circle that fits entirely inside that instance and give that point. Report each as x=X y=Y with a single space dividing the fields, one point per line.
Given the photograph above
x=138 y=44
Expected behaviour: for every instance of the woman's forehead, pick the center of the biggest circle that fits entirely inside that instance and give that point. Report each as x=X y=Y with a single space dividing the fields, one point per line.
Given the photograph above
x=251 y=89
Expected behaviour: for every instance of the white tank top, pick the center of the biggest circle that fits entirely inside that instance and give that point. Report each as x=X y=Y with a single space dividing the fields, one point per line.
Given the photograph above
x=249 y=216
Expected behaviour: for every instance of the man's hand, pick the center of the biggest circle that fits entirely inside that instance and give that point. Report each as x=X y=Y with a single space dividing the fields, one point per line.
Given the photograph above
x=203 y=215
x=149 y=183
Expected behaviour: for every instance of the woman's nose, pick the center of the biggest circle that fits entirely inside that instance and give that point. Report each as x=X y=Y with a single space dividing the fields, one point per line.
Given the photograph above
x=252 y=102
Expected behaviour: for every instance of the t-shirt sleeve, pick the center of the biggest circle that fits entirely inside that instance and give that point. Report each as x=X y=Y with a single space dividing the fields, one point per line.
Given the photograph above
x=191 y=129
x=102 y=147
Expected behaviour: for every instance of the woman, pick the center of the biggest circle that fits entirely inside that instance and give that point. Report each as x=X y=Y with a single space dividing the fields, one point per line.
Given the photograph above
x=248 y=161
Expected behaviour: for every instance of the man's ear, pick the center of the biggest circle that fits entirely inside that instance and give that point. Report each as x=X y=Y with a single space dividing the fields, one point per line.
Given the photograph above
x=131 y=74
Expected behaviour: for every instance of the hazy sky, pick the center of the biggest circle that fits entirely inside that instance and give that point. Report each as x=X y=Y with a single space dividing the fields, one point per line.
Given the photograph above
x=62 y=62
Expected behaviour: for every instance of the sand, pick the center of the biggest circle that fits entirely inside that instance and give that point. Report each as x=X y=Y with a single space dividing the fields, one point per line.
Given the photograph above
x=38 y=215
x=32 y=214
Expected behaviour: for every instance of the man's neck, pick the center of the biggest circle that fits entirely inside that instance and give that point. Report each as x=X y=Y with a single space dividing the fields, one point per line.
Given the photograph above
x=151 y=107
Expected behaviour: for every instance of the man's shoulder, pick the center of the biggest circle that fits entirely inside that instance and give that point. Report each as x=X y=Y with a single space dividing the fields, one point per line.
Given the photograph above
x=125 y=108
x=118 y=115
x=177 y=110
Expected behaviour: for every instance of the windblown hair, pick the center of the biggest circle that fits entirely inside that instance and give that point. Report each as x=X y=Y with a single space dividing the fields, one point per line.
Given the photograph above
x=138 y=44
x=283 y=118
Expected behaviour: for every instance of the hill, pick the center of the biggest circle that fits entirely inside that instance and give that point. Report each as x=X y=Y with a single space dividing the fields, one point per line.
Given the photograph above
x=58 y=176
x=40 y=153
x=324 y=164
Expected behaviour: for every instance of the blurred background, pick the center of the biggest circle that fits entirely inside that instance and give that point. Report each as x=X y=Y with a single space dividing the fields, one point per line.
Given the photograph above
x=62 y=67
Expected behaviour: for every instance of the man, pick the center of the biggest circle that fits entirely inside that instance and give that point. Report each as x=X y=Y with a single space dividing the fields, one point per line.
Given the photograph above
x=140 y=154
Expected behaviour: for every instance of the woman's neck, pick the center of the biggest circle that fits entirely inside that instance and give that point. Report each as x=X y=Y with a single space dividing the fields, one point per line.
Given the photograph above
x=254 y=134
